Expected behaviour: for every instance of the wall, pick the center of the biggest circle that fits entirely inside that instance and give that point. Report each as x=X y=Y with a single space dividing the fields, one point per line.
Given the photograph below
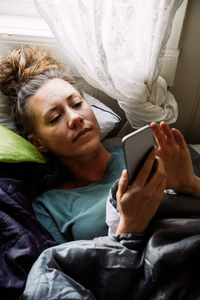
x=186 y=86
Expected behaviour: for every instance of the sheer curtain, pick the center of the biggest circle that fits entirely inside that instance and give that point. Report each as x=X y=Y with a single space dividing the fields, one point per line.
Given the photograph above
x=117 y=46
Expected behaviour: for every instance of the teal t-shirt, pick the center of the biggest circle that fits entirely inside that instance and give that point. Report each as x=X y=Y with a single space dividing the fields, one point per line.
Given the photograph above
x=79 y=213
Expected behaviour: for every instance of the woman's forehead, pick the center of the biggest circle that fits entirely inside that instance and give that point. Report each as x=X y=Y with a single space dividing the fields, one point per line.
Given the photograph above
x=56 y=87
x=50 y=94
x=54 y=90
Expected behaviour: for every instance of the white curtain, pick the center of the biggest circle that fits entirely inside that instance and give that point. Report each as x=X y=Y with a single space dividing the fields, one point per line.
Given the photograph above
x=117 y=46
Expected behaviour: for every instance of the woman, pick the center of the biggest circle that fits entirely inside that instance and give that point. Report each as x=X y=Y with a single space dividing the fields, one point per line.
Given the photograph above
x=51 y=113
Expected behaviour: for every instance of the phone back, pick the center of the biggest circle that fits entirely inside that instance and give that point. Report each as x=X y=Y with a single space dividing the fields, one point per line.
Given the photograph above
x=137 y=146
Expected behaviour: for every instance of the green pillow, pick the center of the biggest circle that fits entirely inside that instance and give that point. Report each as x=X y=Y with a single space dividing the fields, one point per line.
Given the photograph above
x=15 y=149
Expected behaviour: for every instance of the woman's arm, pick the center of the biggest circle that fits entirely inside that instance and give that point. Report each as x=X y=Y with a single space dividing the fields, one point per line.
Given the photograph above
x=139 y=202
x=173 y=150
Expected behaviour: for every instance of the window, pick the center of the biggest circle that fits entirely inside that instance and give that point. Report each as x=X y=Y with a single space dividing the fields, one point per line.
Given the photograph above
x=19 y=8
x=20 y=22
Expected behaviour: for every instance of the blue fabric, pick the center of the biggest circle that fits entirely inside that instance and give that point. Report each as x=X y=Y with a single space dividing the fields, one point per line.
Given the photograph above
x=22 y=238
x=79 y=213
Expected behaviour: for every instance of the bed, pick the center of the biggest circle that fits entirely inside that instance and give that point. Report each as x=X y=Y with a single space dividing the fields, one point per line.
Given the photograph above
x=22 y=237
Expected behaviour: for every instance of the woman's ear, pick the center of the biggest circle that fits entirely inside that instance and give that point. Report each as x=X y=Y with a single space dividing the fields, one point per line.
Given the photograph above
x=33 y=140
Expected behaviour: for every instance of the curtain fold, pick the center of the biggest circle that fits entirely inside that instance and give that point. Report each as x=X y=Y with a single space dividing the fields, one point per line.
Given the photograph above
x=117 y=47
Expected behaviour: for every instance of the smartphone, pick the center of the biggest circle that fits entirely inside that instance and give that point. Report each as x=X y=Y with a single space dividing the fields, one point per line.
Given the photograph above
x=137 y=145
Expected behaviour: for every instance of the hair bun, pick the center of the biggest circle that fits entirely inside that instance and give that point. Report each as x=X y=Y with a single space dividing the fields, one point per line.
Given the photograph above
x=22 y=64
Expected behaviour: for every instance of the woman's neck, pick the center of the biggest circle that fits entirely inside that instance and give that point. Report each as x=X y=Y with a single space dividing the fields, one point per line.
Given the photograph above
x=87 y=169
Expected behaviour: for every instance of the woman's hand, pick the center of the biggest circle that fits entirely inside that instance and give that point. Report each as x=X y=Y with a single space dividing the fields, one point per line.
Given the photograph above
x=139 y=202
x=173 y=150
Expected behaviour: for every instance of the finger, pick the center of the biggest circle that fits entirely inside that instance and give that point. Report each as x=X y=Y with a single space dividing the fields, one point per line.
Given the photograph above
x=168 y=133
x=159 y=176
x=179 y=138
x=158 y=134
x=123 y=183
x=156 y=187
x=146 y=168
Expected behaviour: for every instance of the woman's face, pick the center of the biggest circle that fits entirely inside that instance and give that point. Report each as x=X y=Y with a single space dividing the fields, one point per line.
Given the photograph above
x=64 y=122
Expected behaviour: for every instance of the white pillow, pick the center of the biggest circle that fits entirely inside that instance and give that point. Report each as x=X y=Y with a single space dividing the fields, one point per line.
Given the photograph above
x=106 y=118
x=4 y=113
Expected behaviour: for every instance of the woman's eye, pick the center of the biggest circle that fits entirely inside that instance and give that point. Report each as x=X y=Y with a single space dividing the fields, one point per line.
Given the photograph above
x=77 y=104
x=55 y=119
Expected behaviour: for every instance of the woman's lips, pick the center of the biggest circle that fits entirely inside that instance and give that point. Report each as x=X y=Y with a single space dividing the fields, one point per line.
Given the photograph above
x=81 y=133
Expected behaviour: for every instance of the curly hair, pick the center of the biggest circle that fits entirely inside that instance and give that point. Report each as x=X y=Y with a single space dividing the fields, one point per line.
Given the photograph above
x=22 y=72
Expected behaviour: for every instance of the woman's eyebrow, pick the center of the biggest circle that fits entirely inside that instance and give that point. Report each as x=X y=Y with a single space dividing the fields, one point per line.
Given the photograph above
x=54 y=108
x=72 y=95
x=69 y=97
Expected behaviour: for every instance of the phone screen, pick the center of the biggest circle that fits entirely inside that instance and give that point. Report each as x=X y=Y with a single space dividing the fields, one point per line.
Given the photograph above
x=137 y=146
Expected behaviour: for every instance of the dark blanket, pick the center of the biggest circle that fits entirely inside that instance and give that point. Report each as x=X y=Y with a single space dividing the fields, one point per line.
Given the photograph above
x=22 y=238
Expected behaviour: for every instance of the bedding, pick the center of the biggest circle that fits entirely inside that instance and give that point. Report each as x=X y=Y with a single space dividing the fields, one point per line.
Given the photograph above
x=5 y=113
x=15 y=149
x=162 y=263
x=108 y=120
x=22 y=238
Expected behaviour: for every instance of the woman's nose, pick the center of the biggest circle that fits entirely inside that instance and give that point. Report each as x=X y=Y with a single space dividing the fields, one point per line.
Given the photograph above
x=74 y=120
